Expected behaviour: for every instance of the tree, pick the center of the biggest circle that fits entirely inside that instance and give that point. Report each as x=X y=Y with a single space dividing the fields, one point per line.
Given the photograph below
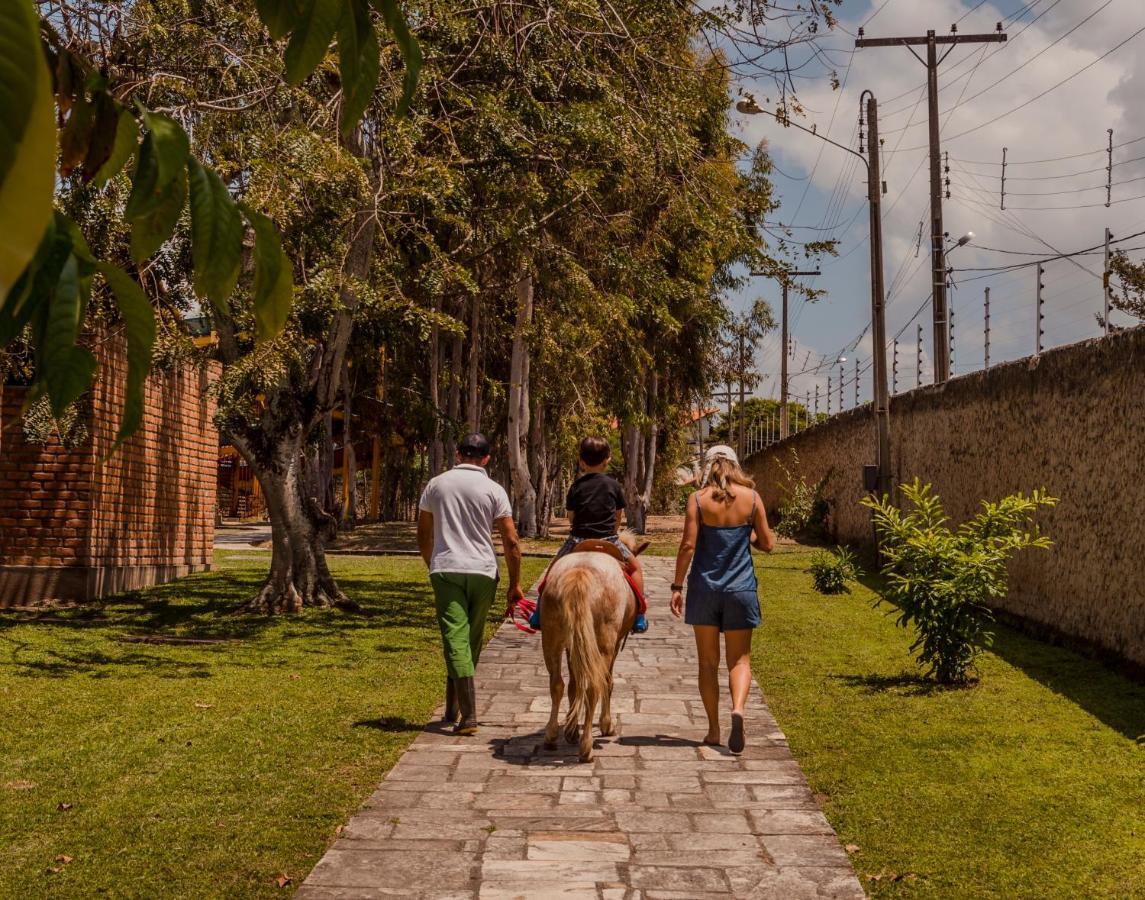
x=70 y=64
x=541 y=245
x=1132 y=287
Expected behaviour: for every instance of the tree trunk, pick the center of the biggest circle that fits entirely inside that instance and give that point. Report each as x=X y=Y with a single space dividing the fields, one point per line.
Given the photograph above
x=454 y=410
x=538 y=465
x=436 y=455
x=473 y=406
x=349 y=458
x=648 y=457
x=632 y=446
x=299 y=575
x=524 y=495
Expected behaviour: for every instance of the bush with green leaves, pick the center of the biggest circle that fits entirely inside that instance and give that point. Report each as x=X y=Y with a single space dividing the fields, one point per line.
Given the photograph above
x=943 y=581
x=832 y=569
x=803 y=512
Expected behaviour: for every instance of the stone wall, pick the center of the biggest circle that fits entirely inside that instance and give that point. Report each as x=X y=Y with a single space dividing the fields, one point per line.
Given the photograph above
x=76 y=524
x=1072 y=421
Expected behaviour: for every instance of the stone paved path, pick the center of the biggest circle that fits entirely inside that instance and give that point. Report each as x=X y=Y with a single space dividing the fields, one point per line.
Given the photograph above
x=655 y=815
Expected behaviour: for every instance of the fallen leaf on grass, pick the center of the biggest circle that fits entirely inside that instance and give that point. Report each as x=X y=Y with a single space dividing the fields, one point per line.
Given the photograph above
x=852 y=848
x=282 y=880
x=892 y=876
x=63 y=807
x=338 y=830
x=294 y=676
x=64 y=858
x=200 y=705
x=20 y=785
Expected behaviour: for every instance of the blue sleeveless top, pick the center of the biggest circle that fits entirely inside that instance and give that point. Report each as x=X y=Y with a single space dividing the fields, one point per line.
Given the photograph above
x=722 y=561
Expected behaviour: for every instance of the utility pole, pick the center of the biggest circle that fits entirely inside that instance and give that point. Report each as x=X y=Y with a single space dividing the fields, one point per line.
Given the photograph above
x=856 y=381
x=840 y=388
x=828 y=395
x=879 y=398
x=938 y=251
x=1105 y=281
x=986 y=334
x=785 y=277
x=742 y=412
x=1039 y=333
x=816 y=403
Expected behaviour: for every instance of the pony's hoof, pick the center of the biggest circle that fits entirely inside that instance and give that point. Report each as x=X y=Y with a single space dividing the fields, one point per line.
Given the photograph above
x=585 y=757
x=550 y=745
x=572 y=735
x=608 y=732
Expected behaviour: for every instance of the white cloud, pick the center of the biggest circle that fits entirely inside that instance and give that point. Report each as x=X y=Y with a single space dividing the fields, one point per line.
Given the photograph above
x=1071 y=120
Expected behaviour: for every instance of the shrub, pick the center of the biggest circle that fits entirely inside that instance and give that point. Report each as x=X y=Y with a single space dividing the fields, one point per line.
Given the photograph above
x=803 y=513
x=942 y=581
x=832 y=569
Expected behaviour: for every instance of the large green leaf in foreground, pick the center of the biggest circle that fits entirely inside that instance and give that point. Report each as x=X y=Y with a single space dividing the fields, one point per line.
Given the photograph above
x=27 y=141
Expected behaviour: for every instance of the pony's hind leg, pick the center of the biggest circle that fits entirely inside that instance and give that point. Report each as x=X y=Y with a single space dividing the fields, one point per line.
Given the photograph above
x=585 y=754
x=606 y=729
x=551 y=644
x=572 y=724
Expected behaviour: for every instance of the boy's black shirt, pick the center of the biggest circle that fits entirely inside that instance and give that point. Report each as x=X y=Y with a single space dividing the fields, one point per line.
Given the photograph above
x=594 y=498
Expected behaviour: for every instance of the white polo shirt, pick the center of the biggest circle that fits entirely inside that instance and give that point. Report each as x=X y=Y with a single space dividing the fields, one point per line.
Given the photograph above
x=464 y=502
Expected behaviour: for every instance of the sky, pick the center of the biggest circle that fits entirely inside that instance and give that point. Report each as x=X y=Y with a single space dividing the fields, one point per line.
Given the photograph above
x=988 y=100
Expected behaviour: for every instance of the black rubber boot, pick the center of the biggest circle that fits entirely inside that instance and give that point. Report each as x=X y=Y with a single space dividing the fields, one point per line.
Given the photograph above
x=467 y=699
x=451 y=707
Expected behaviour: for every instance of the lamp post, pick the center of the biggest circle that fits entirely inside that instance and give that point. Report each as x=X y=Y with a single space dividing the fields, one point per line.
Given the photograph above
x=748 y=106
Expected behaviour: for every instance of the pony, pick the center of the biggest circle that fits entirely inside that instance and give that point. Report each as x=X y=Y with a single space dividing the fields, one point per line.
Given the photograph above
x=588 y=611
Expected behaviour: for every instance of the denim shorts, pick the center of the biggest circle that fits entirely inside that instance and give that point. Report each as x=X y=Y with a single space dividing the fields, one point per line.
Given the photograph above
x=727 y=610
x=567 y=546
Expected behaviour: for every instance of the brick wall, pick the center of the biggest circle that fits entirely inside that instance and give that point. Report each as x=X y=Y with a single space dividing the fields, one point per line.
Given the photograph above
x=1073 y=421
x=78 y=524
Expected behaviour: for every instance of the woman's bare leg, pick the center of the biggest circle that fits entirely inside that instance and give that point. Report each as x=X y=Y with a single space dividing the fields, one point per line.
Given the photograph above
x=708 y=654
x=738 y=649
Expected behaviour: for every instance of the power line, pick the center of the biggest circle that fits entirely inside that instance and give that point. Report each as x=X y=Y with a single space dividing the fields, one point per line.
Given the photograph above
x=1034 y=162
x=1014 y=71
x=1122 y=162
x=1048 y=90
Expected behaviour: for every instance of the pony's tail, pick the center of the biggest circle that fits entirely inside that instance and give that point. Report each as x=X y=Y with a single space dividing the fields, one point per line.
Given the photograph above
x=587 y=665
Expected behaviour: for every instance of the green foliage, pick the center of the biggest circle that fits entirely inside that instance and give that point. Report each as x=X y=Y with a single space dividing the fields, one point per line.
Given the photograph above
x=98 y=135
x=832 y=569
x=27 y=142
x=943 y=581
x=135 y=310
x=1131 y=276
x=803 y=512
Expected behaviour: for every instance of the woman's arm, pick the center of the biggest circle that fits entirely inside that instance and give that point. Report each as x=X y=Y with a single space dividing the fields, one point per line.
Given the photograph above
x=687 y=549
x=762 y=537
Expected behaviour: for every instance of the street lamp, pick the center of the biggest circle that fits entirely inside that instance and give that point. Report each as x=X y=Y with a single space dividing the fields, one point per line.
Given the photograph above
x=748 y=106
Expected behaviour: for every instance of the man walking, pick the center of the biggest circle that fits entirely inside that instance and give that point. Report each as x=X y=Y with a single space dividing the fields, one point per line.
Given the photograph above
x=458 y=511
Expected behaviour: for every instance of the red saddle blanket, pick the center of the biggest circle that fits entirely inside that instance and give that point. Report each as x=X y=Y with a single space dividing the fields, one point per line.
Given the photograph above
x=525 y=608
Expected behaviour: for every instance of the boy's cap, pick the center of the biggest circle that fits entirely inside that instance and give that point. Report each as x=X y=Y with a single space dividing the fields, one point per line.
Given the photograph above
x=474 y=445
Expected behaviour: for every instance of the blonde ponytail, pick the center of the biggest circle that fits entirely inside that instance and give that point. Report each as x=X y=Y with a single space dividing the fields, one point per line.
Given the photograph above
x=722 y=474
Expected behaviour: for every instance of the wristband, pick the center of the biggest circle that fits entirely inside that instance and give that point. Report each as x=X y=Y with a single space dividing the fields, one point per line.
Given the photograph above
x=677 y=587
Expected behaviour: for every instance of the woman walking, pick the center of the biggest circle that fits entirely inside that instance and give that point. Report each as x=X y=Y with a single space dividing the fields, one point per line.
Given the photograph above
x=724 y=519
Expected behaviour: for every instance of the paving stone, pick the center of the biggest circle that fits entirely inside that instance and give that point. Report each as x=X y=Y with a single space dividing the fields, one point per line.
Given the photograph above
x=676 y=878
x=655 y=815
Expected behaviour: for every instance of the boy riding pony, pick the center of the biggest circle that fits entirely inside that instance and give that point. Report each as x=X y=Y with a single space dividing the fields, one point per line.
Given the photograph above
x=594 y=505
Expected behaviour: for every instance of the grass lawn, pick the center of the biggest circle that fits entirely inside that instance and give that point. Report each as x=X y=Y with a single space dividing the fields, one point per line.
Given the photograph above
x=1029 y=784
x=134 y=768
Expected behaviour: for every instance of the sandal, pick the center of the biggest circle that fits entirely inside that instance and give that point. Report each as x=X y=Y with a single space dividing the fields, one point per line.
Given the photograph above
x=736 y=738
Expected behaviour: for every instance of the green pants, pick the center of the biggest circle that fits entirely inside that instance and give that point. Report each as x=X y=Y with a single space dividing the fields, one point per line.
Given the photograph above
x=462 y=602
